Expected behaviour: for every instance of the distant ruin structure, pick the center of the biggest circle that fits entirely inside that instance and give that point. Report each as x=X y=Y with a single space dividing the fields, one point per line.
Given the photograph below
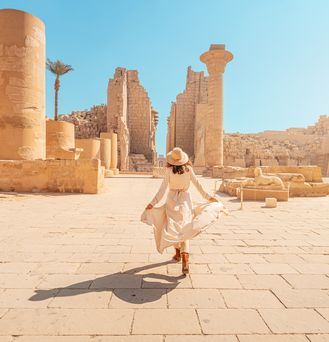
x=195 y=126
x=129 y=114
x=195 y=122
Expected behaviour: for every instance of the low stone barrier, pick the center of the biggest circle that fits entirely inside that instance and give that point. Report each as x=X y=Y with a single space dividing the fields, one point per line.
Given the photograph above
x=51 y=175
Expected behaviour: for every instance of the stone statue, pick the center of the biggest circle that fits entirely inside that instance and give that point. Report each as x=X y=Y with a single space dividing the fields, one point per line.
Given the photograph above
x=260 y=179
x=124 y=145
x=152 y=143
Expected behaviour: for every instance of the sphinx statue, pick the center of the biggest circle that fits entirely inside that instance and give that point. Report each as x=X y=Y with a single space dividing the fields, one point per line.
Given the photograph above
x=262 y=180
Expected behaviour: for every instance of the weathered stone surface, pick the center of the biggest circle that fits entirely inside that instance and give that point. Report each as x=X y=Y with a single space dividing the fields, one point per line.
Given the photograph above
x=215 y=59
x=60 y=142
x=91 y=148
x=84 y=176
x=88 y=123
x=22 y=86
x=129 y=113
x=181 y=124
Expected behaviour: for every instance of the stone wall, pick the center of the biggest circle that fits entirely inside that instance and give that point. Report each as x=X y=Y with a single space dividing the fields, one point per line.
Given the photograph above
x=182 y=116
x=130 y=114
x=139 y=116
x=294 y=146
x=81 y=176
x=88 y=123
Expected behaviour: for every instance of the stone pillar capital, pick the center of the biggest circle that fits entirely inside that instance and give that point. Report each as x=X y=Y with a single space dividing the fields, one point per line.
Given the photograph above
x=216 y=59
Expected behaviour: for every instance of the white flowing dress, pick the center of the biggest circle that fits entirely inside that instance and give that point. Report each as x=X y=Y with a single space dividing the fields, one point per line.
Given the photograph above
x=178 y=220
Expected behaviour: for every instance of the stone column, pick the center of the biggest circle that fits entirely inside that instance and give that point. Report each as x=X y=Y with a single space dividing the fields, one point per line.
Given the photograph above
x=105 y=154
x=91 y=148
x=215 y=59
x=22 y=86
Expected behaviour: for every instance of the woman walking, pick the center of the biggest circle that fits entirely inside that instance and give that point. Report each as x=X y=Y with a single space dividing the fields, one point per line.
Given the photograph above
x=176 y=222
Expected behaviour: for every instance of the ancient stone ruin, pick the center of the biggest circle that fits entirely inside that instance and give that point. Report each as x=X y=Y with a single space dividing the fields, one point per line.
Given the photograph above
x=130 y=114
x=187 y=129
x=196 y=119
x=35 y=154
x=244 y=161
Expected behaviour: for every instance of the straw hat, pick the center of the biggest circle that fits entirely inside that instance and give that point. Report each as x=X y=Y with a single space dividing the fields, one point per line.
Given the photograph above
x=177 y=157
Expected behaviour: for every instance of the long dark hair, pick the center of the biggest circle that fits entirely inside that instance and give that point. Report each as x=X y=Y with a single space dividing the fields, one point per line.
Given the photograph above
x=180 y=169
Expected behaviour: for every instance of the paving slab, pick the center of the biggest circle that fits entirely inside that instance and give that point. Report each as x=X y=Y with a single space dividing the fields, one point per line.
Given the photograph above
x=195 y=298
x=201 y=338
x=166 y=321
x=250 y=299
x=273 y=338
x=231 y=321
x=294 y=321
x=66 y=322
x=139 y=298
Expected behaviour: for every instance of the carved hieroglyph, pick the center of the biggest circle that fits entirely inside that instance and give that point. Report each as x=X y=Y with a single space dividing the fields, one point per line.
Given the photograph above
x=22 y=86
x=215 y=59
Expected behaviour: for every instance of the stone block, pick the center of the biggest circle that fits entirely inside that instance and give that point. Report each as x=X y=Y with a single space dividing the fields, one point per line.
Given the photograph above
x=261 y=194
x=82 y=176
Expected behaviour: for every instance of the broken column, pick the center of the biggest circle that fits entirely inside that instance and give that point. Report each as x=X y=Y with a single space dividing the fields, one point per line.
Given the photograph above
x=215 y=59
x=91 y=148
x=105 y=156
x=60 y=142
x=22 y=86
x=114 y=150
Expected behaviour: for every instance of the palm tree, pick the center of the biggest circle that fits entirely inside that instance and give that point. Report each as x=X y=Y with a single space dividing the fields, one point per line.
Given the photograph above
x=58 y=68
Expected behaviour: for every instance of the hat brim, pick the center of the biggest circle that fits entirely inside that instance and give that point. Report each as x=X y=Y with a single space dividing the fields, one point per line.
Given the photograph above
x=179 y=162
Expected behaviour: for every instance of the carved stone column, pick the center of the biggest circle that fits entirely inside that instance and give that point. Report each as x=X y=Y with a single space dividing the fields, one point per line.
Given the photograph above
x=22 y=86
x=215 y=59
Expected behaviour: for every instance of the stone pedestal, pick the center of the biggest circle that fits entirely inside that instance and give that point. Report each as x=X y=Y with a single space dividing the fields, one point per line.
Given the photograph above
x=60 y=140
x=22 y=86
x=215 y=59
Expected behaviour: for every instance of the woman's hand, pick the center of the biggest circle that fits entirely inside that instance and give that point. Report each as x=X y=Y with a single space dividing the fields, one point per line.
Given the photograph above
x=213 y=199
x=149 y=206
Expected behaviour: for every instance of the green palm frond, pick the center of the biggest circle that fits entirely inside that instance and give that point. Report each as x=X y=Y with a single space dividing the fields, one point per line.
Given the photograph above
x=58 y=67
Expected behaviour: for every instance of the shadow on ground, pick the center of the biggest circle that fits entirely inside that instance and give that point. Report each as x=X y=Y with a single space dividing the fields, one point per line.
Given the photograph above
x=125 y=285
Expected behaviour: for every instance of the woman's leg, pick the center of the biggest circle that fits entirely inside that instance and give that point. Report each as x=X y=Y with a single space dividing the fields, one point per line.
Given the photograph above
x=185 y=246
x=177 y=255
x=185 y=250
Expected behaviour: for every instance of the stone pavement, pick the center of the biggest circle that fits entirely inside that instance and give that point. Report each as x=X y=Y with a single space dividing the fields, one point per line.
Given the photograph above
x=83 y=268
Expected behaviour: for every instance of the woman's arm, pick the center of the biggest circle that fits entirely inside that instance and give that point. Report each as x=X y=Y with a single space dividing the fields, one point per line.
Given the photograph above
x=198 y=185
x=163 y=187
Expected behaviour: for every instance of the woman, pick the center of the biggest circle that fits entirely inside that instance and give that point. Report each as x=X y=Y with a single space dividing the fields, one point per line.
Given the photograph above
x=176 y=222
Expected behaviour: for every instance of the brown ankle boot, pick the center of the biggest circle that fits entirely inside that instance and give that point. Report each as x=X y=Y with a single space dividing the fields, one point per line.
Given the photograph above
x=185 y=265
x=177 y=256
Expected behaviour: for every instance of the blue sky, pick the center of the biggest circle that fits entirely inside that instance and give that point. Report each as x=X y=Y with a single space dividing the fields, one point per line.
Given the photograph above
x=279 y=77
